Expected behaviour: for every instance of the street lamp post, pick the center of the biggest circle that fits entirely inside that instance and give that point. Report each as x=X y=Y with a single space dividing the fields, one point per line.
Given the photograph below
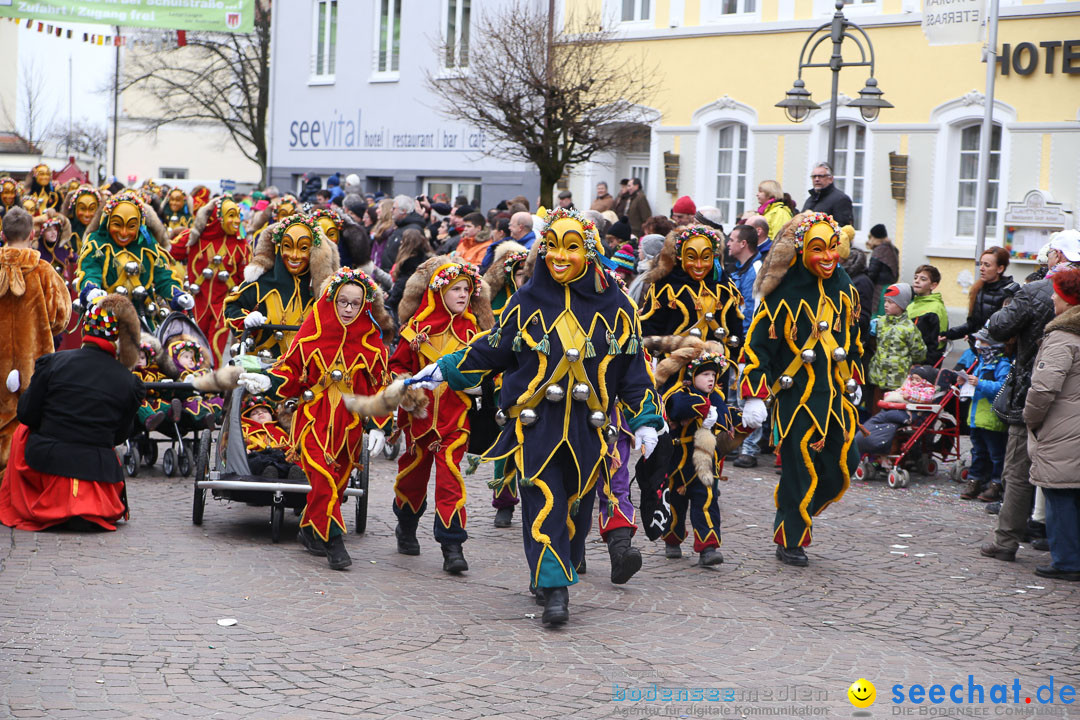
x=797 y=103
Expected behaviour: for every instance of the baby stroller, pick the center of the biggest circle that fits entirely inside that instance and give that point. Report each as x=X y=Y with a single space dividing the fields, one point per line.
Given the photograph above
x=221 y=467
x=142 y=449
x=922 y=433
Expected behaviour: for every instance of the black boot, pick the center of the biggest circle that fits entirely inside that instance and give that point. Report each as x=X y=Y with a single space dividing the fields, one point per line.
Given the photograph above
x=710 y=556
x=625 y=560
x=792 y=556
x=336 y=554
x=453 y=559
x=503 y=516
x=311 y=542
x=556 y=605
x=582 y=568
x=538 y=595
x=407 y=544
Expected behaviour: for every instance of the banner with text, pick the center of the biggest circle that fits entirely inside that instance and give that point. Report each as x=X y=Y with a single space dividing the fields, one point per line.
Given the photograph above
x=235 y=16
x=953 y=22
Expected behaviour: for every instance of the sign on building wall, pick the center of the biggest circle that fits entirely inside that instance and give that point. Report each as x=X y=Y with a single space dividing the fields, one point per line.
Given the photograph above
x=1029 y=224
x=236 y=16
x=953 y=22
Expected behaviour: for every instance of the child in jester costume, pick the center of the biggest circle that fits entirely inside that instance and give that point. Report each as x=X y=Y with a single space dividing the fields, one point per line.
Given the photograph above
x=803 y=354
x=447 y=305
x=569 y=347
x=216 y=256
x=504 y=277
x=688 y=292
x=291 y=260
x=338 y=351
x=124 y=251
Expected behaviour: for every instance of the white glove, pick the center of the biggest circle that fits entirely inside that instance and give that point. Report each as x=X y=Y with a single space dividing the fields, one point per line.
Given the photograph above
x=710 y=419
x=13 y=382
x=376 y=441
x=856 y=398
x=93 y=295
x=474 y=391
x=646 y=438
x=184 y=301
x=754 y=413
x=254 y=319
x=432 y=377
x=254 y=383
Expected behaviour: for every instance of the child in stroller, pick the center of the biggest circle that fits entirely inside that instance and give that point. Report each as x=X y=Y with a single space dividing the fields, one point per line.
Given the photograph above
x=266 y=442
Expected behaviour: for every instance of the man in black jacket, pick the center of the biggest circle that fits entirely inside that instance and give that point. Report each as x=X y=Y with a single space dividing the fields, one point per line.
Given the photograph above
x=80 y=404
x=405 y=217
x=827 y=198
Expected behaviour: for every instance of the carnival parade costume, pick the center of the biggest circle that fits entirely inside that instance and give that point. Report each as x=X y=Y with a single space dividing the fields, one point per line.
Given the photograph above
x=328 y=359
x=266 y=442
x=441 y=437
x=153 y=410
x=125 y=251
x=39 y=184
x=216 y=257
x=569 y=347
x=176 y=213
x=291 y=260
x=804 y=352
x=52 y=238
x=81 y=206
x=9 y=195
x=63 y=467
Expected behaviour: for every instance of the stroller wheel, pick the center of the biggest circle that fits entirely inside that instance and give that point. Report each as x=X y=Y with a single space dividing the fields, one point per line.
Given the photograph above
x=863 y=472
x=132 y=460
x=390 y=451
x=168 y=462
x=898 y=478
x=931 y=467
x=277 y=519
x=184 y=462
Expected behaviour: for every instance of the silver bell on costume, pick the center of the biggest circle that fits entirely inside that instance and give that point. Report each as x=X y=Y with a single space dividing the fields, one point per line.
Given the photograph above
x=336 y=375
x=839 y=355
x=597 y=418
x=786 y=382
x=266 y=356
x=223 y=275
x=851 y=386
x=216 y=260
x=163 y=313
x=122 y=290
x=808 y=356
x=610 y=432
x=278 y=335
x=733 y=341
x=152 y=308
x=573 y=355
x=131 y=267
x=580 y=392
x=709 y=316
x=695 y=332
x=500 y=418
x=527 y=417
x=554 y=393
x=822 y=326
x=207 y=273
x=307 y=396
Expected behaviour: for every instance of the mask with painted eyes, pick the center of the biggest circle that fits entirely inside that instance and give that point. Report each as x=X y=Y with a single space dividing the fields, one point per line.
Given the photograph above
x=43 y=175
x=7 y=194
x=285 y=210
x=30 y=204
x=176 y=200
x=564 y=245
x=296 y=248
x=124 y=222
x=230 y=217
x=85 y=208
x=821 y=250
x=697 y=257
x=330 y=228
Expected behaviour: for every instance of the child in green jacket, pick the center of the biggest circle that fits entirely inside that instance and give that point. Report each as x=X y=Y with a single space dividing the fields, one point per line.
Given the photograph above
x=900 y=345
x=927 y=311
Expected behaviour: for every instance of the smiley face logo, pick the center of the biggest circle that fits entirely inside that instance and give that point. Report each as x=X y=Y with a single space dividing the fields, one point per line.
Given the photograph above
x=862 y=693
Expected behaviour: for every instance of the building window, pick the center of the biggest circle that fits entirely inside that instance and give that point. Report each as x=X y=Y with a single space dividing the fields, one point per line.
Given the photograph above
x=324 y=41
x=717 y=9
x=389 y=36
x=173 y=173
x=456 y=38
x=731 y=163
x=967 y=181
x=636 y=10
x=641 y=172
x=849 y=174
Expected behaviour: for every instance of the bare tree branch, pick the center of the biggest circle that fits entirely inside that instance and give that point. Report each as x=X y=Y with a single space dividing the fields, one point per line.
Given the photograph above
x=221 y=79
x=553 y=114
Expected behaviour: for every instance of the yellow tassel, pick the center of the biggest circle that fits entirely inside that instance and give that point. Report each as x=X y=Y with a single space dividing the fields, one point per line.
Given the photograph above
x=772 y=330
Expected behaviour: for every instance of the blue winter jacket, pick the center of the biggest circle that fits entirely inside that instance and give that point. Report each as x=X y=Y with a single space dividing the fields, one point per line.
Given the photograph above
x=991 y=376
x=744 y=276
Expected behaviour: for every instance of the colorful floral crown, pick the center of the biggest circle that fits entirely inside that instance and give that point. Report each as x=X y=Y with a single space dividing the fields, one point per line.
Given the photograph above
x=9 y=181
x=279 y=232
x=130 y=196
x=179 y=190
x=591 y=238
x=697 y=231
x=254 y=401
x=184 y=345
x=281 y=200
x=809 y=222
x=347 y=275
x=513 y=259
x=101 y=323
x=55 y=222
x=148 y=349
x=327 y=212
x=86 y=190
x=706 y=358
x=448 y=274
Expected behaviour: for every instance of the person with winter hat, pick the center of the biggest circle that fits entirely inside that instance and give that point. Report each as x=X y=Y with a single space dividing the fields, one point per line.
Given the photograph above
x=618 y=235
x=624 y=263
x=1052 y=415
x=989 y=434
x=648 y=250
x=79 y=405
x=899 y=343
x=683 y=211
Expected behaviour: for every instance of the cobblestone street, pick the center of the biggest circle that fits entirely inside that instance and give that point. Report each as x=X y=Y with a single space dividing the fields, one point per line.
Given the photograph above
x=125 y=624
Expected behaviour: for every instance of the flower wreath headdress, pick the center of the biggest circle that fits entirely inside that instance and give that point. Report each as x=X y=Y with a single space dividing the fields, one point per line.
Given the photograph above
x=513 y=259
x=447 y=275
x=130 y=196
x=347 y=275
x=697 y=231
x=809 y=222
x=591 y=239
x=279 y=233
x=327 y=212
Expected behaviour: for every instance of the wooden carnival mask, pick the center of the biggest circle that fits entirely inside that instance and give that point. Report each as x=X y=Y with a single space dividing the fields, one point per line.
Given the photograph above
x=124 y=222
x=284 y=210
x=177 y=200
x=296 y=248
x=565 y=251
x=329 y=228
x=43 y=175
x=7 y=193
x=230 y=217
x=697 y=257
x=821 y=250
x=86 y=206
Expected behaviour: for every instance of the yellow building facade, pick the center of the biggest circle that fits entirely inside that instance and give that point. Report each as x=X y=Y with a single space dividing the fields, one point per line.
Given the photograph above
x=722 y=65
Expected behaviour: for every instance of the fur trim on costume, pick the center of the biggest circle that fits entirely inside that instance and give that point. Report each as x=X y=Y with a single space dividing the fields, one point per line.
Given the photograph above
x=165 y=361
x=495 y=277
x=417 y=285
x=202 y=219
x=155 y=345
x=728 y=442
x=1068 y=321
x=704 y=456
x=63 y=237
x=127 y=343
x=262 y=260
x=411 y=399
x=781 y=257
x=678 y=349
x=218 y=381
x=530 y=262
